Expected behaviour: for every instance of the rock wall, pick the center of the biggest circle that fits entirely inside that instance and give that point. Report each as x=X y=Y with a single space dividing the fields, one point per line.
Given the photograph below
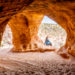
x=24 y=27
x=60 y=11
x=8 y=8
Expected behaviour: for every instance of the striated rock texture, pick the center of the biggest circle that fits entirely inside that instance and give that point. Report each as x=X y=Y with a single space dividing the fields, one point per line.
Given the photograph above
x=62 y=11
x=24 y=27
x=7 y=9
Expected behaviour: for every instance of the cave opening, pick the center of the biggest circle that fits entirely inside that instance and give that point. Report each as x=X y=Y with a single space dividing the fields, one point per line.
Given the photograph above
x=7 y=38
x=48 y=28
x=55 y=33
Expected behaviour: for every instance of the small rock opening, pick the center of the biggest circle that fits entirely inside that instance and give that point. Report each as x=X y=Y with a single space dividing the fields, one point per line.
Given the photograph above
x=7 y=38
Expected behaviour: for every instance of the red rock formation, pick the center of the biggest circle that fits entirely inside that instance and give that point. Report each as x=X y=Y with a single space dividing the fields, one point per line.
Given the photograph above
x=60 y=11
x=24 y=27
x=7 y=9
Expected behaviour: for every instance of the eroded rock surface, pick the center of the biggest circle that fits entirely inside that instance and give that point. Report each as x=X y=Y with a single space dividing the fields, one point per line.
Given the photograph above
x=24 y=27
x=7 y=9
x=63 y=12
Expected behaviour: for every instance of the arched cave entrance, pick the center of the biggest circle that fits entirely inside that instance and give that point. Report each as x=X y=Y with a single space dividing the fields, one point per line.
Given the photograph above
x=56 y=34
x=62 y=11
x=7 y=38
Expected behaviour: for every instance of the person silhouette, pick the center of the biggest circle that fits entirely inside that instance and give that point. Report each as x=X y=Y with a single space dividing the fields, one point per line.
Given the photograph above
x=47 y=42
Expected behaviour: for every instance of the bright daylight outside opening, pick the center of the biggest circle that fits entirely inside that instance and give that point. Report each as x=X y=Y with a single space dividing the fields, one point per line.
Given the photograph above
x=48 y=29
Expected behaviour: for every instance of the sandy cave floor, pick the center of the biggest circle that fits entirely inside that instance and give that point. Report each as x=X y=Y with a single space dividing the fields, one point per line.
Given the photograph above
x=35 y=63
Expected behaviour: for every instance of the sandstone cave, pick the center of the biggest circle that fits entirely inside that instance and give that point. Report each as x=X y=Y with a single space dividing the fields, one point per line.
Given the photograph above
x=24 y=18
x=56 y=35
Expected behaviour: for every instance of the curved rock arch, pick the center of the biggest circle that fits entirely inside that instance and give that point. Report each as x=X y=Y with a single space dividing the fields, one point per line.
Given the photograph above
x=60 y=11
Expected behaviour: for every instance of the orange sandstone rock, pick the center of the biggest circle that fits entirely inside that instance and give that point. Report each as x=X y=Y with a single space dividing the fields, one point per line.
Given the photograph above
x=62 y=11
x=24 y=27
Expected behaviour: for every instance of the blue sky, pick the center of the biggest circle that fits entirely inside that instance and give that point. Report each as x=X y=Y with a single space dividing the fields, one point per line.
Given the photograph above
x=48 y=20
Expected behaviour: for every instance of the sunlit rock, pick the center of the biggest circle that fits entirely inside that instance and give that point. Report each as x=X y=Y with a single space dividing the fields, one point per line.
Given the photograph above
x=63 y=12
x=24 y=27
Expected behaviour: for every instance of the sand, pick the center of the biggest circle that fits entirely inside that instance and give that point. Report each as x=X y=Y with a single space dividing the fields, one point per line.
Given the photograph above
x=35 y=63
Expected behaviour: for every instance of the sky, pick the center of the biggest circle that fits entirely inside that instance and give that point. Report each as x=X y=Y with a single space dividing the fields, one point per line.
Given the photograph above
x=48 y=20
